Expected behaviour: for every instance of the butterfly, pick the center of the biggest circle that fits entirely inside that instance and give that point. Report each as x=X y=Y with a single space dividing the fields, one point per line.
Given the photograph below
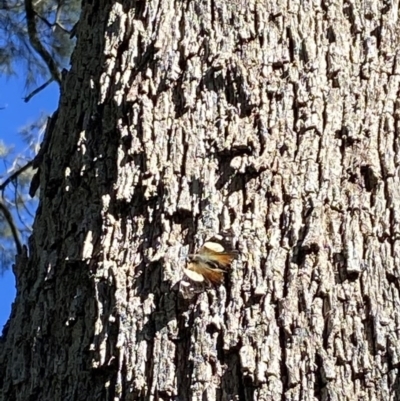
x=210 y=263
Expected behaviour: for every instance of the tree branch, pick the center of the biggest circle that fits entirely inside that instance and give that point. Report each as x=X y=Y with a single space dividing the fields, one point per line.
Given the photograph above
x=7 y=215
x=37 y=90
x=37 y=45
x=52 y=25
x=14 y=175
x=49 y=25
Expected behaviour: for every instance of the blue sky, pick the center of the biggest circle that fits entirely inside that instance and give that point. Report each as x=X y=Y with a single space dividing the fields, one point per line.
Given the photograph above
x=16 y=114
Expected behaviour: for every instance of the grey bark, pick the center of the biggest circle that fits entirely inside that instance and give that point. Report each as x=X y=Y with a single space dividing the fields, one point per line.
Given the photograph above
x=276 y=120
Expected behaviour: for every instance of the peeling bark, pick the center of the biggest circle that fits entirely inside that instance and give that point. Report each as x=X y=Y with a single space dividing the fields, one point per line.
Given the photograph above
x=178 y=120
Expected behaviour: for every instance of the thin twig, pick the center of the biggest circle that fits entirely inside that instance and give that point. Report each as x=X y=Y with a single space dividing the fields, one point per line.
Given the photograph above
x=37 y=44
x=17 y=208
x=14 y=175
x=8 y=216
x=37 y=90
x=49 y=24
x=65 y=30
x=54 y=24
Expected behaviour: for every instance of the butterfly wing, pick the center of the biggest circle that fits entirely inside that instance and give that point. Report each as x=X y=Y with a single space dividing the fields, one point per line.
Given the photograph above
x=201 y=269
x=210 y=263
x=221 y=259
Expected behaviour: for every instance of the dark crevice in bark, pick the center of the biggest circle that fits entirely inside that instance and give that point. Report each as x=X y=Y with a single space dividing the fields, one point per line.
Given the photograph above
x=227 y=174
x=348 y=11
x=285 y=220
x=149 y=365
x=169 y=144
x=146 y=60
x=282 y=365
x=125 y=384
x=231 y=381
x=341 y=274
x=263 y=133
x=327 y=323
x=370 y=328
x=320 y=381
x=213 y=14
x=246 y=387
x=286 y=278
x=331 y=35
x=178 y=98
x=395 y=388
x=185 y=151
x=297 y=134
x=291 y=44
x=377 y=32
x=139 y=7
x=236 y=93
x=383 y=170
x=182 y=362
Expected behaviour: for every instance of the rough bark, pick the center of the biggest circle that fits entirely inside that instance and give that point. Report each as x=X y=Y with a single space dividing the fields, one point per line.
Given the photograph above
x=276 y=120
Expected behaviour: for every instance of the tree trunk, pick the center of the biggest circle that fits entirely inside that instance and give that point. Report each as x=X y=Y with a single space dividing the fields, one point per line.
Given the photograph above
x=277 y=121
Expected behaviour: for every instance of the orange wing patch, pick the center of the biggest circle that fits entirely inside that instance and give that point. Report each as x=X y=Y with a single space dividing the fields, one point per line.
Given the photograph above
x=210 y=263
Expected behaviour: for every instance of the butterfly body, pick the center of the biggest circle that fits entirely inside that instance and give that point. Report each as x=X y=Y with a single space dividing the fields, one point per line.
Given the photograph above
x=210 y=263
